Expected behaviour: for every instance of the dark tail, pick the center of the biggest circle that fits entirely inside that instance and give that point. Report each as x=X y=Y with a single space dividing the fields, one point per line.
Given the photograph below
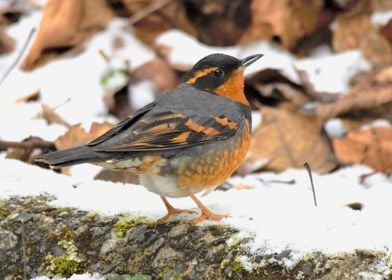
x=68 y=157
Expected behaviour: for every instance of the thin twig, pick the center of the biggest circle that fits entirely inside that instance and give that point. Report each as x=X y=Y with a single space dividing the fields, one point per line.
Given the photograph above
x=8 y=71
x=29 y=144
x=307 y=167
x=157 y=5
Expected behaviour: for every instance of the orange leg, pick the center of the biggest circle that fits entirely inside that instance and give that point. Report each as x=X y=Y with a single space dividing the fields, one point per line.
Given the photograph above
x=172 y=211
x=206 y=214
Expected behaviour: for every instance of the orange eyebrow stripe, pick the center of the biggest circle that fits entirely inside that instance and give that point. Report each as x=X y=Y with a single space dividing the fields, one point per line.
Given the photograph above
x=200 y=73
x=226 y=122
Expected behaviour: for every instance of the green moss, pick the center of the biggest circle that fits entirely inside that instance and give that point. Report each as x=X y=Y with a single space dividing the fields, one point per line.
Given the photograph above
x=114 y=276
x=128 y=221
x=64 y=265
x=4 y=212
x=164 y=271
x=234 y=264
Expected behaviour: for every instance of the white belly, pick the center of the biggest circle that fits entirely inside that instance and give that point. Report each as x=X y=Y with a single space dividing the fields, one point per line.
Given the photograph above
x=165 y=186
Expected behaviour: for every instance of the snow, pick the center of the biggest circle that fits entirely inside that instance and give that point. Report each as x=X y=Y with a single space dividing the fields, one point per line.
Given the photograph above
x=86 y=276
x=278 y=215
x=381 y=18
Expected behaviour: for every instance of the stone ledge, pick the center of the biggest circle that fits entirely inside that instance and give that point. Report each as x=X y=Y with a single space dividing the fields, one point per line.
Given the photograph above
x=38 y=239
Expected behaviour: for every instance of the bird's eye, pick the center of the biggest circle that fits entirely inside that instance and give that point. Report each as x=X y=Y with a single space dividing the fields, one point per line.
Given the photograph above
x=218 y=73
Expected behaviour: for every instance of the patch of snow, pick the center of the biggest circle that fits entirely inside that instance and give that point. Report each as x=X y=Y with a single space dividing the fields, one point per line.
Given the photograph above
x=142 y=93
x=381 y=18
x=279 y=216
x=333 y=73
x=335 y=128
x=376 y=123
x=86 y=276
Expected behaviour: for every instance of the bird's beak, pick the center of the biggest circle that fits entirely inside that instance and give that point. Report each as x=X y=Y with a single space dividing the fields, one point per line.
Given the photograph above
x=250 y=59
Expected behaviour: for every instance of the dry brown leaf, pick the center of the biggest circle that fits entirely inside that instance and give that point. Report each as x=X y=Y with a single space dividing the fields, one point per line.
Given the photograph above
x=288 y=20
x=386 y=31
x=289 y=139
x=159 y=72
x=381 y=5
x=7 y=44
x=51 y=116
x=218 y=23
x=24 y=150
x=149 y=27
x=77 y=135
x=65 y=24
x=370 y=147
x=368 y=97
x=28 y=98
x=355 y=30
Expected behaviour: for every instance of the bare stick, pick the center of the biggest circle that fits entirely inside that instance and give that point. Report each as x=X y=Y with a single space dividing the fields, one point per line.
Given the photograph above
x=29 y=144
x=8 y=71
x=149 y=10
x=307 y=167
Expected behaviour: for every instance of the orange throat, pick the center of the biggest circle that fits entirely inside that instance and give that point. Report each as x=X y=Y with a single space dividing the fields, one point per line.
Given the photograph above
x=233 y=88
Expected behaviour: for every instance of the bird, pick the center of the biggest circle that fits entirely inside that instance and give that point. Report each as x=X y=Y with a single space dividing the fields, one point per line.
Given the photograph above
x=190 y=140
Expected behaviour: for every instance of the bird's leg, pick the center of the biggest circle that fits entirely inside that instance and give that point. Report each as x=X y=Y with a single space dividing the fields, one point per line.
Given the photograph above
x=206 y=214
x=172 y=211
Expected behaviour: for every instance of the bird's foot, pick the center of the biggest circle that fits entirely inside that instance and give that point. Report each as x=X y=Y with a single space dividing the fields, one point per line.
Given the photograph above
x=208 y=215
x=174 y=211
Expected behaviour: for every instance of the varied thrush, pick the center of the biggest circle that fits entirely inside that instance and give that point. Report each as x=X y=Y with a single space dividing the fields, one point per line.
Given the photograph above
x=191 y=139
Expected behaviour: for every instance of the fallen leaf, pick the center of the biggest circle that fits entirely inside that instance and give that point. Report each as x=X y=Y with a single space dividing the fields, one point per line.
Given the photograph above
x=25 y=150
x=371 y=147
x=7 y=44
x=66 y=24
x=289 y=139
x=371 y=98
x=286 y=20
x=354 y=29
x=159 y=72
x=51 y=116
x=148 y=27
x=270 y=87
x=77 y=135
x=28 y=98
x=218 y=23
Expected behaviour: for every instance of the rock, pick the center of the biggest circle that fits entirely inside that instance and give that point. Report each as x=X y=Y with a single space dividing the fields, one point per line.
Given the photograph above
x=176 y=250
x=165 y=256
x=8 y=241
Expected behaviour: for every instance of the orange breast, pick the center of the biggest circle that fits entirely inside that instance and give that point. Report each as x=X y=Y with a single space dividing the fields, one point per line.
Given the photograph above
x=214 y=167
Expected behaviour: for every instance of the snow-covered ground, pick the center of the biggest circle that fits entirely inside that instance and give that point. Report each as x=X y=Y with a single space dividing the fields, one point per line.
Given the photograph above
x=278 y=215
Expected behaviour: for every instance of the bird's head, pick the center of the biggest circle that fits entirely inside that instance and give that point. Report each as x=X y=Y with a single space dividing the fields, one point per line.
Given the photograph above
x=222 y=75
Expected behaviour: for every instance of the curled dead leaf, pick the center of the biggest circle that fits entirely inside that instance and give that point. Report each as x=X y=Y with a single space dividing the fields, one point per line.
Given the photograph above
x=66 y=24
x=28 y=98
x=288 y=20
x=354 y=29
x=371 y=147
x=289 y=139
x=159 y=72
x=77 y=135
x=51 y=116
x=371 y=98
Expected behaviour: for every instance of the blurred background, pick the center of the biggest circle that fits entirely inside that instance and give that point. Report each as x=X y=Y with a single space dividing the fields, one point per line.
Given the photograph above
x=322 y=93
